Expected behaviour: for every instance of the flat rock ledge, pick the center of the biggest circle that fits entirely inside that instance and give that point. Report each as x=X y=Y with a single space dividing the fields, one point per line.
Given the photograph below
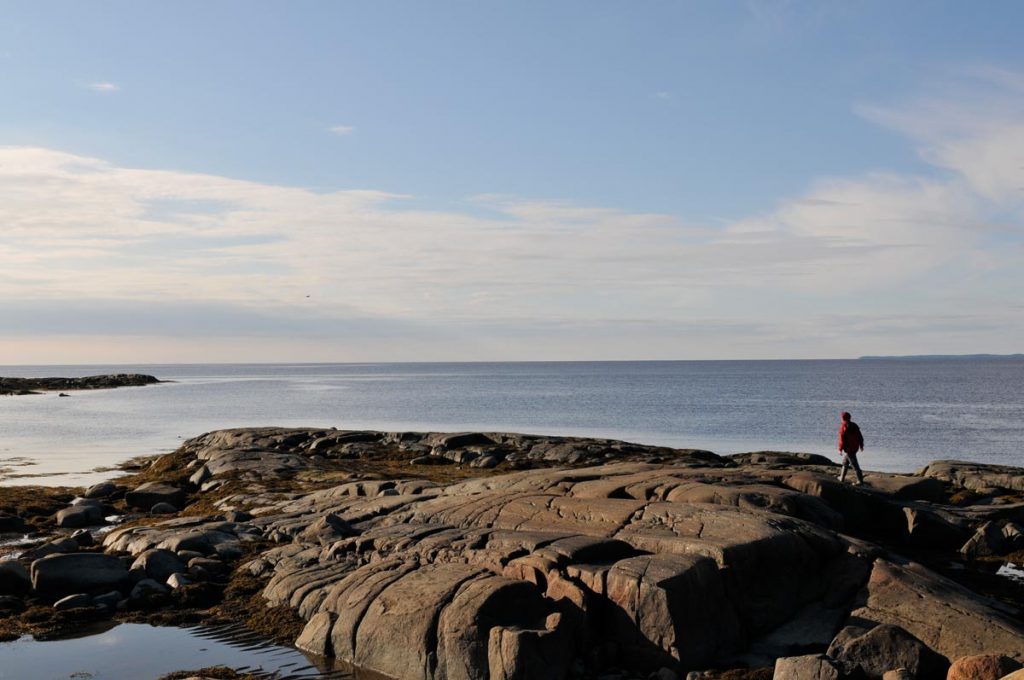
x=584 y=558
x=16 y=386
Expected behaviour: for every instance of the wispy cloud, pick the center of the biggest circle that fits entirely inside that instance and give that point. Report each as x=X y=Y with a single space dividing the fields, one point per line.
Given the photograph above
x=341 y=129
x=103 y=86
x=851 y=264
x=663 y=94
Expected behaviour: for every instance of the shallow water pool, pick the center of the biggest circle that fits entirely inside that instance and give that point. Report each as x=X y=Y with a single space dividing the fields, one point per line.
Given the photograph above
x=131 y=651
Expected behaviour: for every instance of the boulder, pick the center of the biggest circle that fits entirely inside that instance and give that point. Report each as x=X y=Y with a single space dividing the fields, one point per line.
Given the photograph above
x=66 y=544
x=395 y=634
x=781 y=459
x=12 y=524
x=899 y=674
x=946 y=617
x=316 y=636
x=149 y=494
x=327 y=529
x=79 y=601
x=178 y=580
x=928 y=529
x=10 y=604
x=976 y=476
x=987 y=541
x=84 y=538
x=82 y=572
x=887 y=647
x=982 y=667
x=14 y=578
x=163 y=509
x=207 y=565
x=146 y=588
x=79 y=516
x=109 y=600
x=159 y=564
x=673 y=602
x=200 y=476
x=101 y=490
x=809 y=667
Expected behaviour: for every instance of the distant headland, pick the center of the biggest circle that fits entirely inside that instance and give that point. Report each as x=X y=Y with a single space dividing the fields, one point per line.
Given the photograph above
x=19 y=386
x=932 y=357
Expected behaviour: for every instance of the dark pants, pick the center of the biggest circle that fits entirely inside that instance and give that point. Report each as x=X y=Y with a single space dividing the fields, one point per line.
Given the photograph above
x=850 y=459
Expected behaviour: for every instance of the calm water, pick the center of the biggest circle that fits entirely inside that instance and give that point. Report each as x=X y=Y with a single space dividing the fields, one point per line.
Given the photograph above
x=131 y=651
x=910 y=411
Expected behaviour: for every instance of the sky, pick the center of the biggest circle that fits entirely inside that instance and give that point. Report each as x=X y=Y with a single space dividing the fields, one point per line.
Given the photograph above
x=480 y=180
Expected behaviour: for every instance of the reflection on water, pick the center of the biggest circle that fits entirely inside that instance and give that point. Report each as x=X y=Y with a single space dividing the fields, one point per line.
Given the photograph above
x=131 y=651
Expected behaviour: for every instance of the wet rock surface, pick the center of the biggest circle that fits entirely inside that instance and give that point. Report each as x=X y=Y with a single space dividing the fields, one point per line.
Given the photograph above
x=562 y=557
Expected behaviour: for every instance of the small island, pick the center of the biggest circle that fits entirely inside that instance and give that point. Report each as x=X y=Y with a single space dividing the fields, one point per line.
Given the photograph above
x=21 y=386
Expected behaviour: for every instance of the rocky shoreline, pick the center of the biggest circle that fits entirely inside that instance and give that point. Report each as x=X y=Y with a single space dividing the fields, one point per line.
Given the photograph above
x=25 y=386
x=507 y=556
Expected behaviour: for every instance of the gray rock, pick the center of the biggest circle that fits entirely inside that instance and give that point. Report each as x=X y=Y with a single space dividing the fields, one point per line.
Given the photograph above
x=147 y=587
x=327 y=529
x=79 y=516
x=987 y=541
x=82 y=572
x=943 y=615
x=176 y=581
x=976 y=476
x=101 y=490
x=163 y=509
x=12 y=524
x=14 y=578
x=158 y=564
x=206 y=565
x=149 y=494
x=885 y=648
x=188 y=555
x=809 y=667
x=84 y=538
x=429 y=460
x=201 y=475
x=55 y=547
x=78 y=601
x=316 y=636
x=485 y=462
x=108 y=600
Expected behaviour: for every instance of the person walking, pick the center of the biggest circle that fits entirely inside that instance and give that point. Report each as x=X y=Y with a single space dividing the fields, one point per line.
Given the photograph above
x=851 y=441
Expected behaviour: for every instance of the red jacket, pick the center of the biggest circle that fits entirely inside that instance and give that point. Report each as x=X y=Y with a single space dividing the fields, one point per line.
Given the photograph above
x=850 y=438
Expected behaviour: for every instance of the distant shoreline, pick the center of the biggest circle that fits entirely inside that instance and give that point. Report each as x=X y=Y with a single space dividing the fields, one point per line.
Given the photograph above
x=941 y=357
x=25 y=386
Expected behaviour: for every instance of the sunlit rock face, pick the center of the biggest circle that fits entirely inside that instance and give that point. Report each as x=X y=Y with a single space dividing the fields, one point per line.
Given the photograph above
x=607 y=555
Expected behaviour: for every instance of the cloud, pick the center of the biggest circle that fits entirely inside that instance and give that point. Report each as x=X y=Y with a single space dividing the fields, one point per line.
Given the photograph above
x=342 y=130
x=103 y=86
x=862 y=264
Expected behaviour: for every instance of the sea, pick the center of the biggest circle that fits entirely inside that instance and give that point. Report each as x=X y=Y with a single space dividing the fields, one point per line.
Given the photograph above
x=911 y=411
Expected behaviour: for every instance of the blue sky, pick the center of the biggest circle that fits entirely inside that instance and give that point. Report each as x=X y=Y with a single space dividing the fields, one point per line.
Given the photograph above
x=509 y=180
